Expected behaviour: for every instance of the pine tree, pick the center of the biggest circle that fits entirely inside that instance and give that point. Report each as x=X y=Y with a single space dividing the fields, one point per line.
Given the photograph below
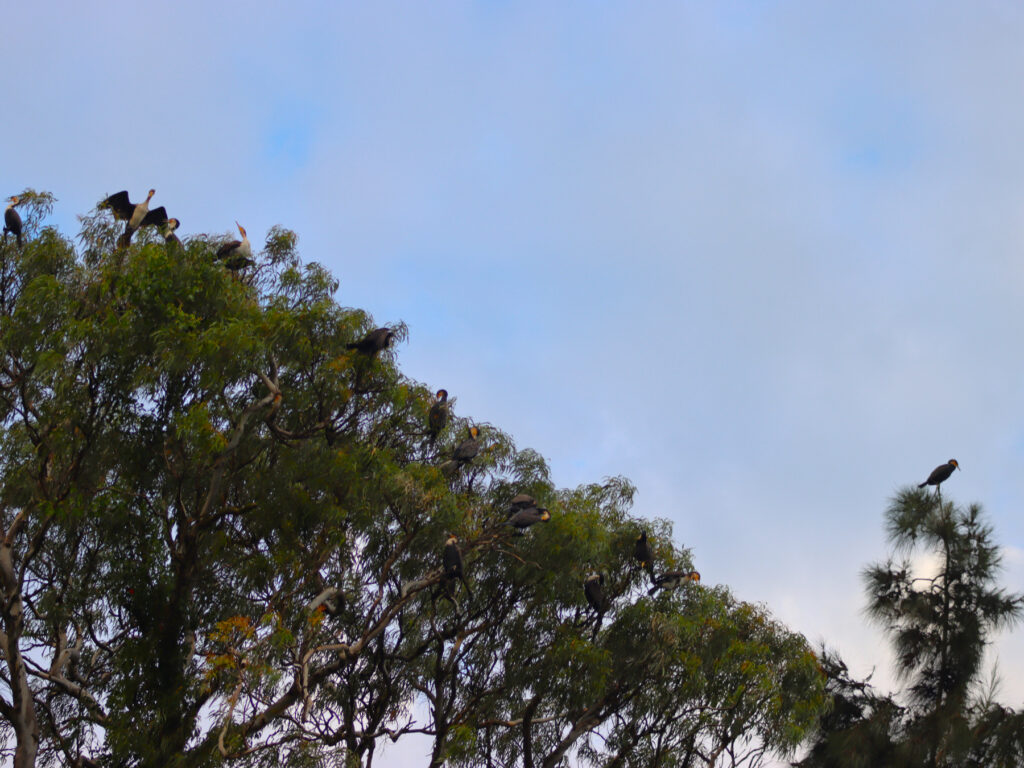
x=939 y=626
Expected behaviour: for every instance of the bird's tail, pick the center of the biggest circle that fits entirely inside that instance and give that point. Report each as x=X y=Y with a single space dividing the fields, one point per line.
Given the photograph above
x=653 y=589
x=922 y=485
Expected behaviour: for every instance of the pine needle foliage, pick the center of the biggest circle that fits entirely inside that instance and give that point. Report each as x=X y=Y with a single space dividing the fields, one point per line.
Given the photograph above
x=940 y=622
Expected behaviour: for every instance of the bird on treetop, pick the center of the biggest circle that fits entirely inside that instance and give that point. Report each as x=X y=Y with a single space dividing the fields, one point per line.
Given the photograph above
x=136 y=215
x=940 y=474
x=168 y=230
x=12 y=219
x=437 y=418
x=236 y=254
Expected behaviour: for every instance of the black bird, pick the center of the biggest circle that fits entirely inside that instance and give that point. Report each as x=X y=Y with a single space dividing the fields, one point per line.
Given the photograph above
x=236 y=254
x=940 y=474
x=642 y=552
x=437 y=418
x=452 y=560
x=593 y=587
x=673 y=579
x=136 y=215
x=524 y=518
x=468 y=449
x=12 y=219
x=519 y=502
x=373 y=342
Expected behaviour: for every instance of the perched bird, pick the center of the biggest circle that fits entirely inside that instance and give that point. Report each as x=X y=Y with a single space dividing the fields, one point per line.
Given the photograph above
x=593 y=587
x=519 y=502
x=169 y=229
x=673 y=579
x=373 y=342
x=236 y=254
x=12 y=219
x=135 y=215
x=452 y=559
x=468 y=449
x=437 y=418
x=642 y=552
x=940 y=474
x=524 y=518
x=330 y=601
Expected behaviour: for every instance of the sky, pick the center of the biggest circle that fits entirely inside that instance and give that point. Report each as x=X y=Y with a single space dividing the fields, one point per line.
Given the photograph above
x=765 y=259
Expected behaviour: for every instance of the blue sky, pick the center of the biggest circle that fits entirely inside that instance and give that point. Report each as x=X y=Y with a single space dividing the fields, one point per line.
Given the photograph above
x=765 y=259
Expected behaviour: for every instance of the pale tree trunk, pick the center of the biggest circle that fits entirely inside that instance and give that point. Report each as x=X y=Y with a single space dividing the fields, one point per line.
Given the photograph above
x=22 y=712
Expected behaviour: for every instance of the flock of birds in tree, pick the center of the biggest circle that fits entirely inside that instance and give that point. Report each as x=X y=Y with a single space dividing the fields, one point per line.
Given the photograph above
x=523 y=510
x=235 y=254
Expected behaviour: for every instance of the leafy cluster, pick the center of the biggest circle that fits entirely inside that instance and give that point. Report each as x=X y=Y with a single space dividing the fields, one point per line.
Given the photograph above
x=221 y=544
x=940 y=626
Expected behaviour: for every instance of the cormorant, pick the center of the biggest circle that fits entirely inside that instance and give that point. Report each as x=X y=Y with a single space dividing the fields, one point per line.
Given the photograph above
x=169 y=229
x=642 y=552
x=135 y=215
x=236 y=254
x=452 y=560
x=373 y=342
x=524 y=518
x=672 y=579
x=12 y=219
x=519 y=502
x=593 y=587
x=468 y=449
x=437 y=418
x=940 y=474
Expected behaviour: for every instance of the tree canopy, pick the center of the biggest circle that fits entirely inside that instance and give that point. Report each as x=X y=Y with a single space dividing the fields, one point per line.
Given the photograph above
x=223 y=521
x=940 y=625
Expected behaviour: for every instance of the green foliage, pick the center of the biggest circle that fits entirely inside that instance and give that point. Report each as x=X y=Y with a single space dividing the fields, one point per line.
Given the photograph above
x=939 y=626
x=225 y=539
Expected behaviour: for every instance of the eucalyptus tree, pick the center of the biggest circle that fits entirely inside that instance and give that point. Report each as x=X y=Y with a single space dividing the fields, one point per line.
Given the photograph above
x=223 y=537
